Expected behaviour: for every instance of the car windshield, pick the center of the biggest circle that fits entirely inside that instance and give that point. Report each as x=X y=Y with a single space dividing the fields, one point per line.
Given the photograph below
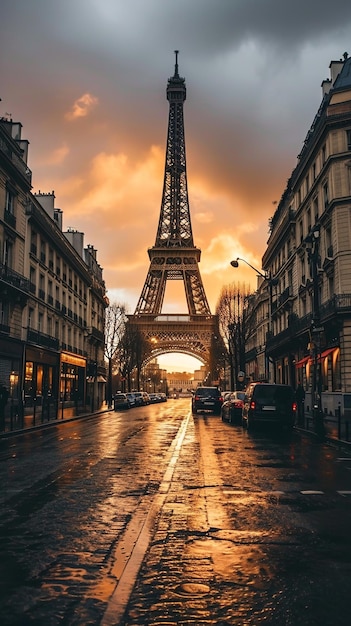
x=207 y=391
x=273 y=394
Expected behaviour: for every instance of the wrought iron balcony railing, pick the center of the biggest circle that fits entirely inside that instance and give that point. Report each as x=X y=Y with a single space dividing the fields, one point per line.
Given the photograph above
x=13 y=278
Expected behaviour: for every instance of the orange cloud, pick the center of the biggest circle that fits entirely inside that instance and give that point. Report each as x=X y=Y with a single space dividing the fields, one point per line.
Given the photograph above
x=81 y=107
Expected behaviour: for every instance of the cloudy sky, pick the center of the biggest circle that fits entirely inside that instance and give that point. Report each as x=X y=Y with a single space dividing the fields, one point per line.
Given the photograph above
x=87 y=79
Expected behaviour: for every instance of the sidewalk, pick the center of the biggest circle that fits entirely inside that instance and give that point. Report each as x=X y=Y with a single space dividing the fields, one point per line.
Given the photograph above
x=15 y=425
x=336 y=429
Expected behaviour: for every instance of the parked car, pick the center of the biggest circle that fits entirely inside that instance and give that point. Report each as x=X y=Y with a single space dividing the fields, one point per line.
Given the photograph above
x=121 y=401
x=154 y=397
x=207 y=399
x=232 y=407
x=163 y=396
x=141 y=398
x=225 y=395
x=266 y=403
x=131 y=397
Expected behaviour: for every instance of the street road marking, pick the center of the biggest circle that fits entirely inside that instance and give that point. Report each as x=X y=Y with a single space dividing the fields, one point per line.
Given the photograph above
x=311 y=492
x=132 y=546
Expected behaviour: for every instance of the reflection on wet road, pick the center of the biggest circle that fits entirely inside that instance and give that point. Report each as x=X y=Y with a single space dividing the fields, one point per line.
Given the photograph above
x=155 y=516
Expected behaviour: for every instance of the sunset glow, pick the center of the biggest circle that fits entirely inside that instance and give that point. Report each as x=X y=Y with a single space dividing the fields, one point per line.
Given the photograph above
x=90 y=92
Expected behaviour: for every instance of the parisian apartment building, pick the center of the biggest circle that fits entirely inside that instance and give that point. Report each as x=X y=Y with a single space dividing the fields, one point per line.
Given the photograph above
x=302 y=307
x=52 y=298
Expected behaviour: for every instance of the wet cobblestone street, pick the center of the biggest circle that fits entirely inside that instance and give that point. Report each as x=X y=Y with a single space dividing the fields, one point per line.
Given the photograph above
x=156 y=516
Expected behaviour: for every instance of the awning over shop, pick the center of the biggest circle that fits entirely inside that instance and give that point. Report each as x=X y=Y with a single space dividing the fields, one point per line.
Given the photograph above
x=327 y=352
x=96 y=379
x=321 y=356
x=302 y=362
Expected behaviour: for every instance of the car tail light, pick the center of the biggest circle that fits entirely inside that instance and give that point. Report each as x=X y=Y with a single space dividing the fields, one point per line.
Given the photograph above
x=294 y=406
x=252 y=404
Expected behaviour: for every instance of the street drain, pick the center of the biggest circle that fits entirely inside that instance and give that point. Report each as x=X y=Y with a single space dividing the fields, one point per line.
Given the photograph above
x=195 y=590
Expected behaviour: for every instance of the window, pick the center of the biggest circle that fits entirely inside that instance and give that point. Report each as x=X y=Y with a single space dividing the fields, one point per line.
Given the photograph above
x=4 y=313
x=308 y=219
x=32 y=279
x=30 y=317
x=42 y=251
x=331 y=287
x=324 y=154
x=301 y=231
x=42 y=286
x=328 y=242
x=10 y=202
x=326 y=195
x=316 y=209
x=8 y=253
x=33 y=242
x=314 y=171
x=348 y=138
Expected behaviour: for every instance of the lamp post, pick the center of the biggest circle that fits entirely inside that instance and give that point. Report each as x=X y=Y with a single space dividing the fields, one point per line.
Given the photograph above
x=312 y=246
x=267 y=276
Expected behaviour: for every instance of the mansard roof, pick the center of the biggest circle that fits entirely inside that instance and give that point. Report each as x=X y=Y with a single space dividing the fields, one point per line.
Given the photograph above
x=343 y=80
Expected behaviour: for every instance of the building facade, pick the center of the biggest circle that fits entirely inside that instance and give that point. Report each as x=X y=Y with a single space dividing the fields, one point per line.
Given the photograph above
x=52 y=298
x=306 y=297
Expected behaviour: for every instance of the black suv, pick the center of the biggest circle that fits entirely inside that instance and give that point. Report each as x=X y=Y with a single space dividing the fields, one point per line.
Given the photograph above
x=207 y=399
x=266 y=403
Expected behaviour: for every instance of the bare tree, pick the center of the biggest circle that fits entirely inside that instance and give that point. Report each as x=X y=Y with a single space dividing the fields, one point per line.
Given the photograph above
x=234 y=326
x=115 y=320
x=131 y=354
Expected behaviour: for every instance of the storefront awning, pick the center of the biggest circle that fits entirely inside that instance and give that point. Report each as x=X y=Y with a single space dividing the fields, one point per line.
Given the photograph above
x=327 y=352
x=321 y=356
x=96 y=379
x=302 y=362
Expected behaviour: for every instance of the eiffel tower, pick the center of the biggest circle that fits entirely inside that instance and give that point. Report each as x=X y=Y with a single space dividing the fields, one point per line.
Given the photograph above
x=174 y=255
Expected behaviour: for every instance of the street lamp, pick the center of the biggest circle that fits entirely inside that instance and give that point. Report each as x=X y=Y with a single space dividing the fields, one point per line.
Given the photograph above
x=312 y=246
x=267 y=276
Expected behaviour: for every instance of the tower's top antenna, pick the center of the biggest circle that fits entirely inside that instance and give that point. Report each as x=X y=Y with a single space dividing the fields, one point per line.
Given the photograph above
x=176 y=74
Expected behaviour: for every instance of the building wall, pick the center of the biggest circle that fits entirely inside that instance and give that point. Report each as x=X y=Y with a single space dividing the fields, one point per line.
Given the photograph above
x=316 y=200
x=52 y=297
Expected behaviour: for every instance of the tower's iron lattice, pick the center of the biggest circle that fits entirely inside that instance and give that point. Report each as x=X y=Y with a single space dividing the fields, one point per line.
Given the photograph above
x=174 y=255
